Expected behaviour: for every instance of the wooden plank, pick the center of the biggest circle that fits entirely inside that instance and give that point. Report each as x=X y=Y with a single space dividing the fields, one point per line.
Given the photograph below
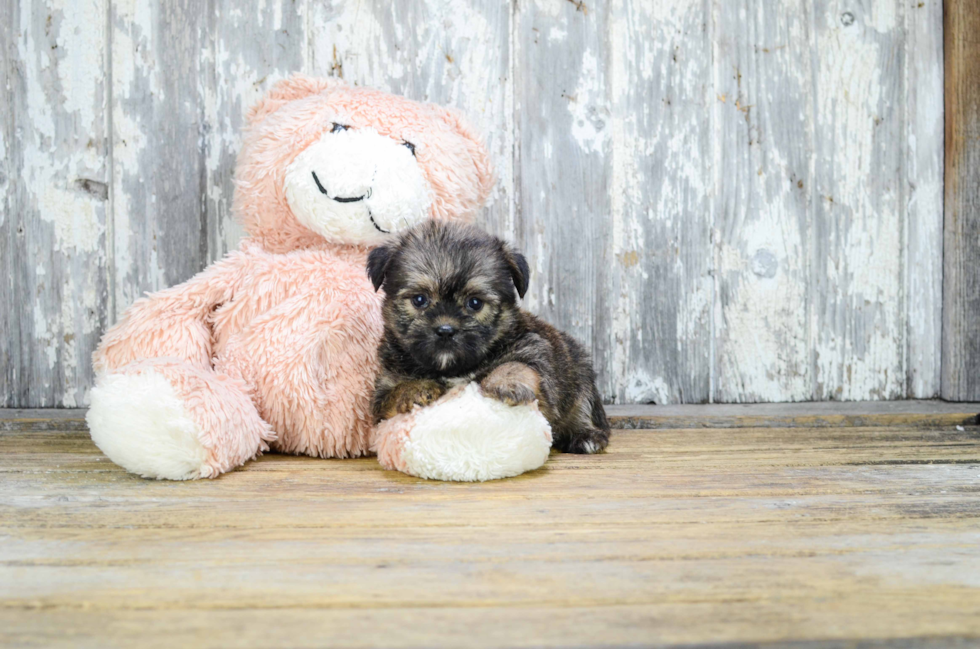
x=652 y=303
x=42 y=419
x=856 y=294
x=654 y=626
x=924 y=228
x=961 y=283
x=159 y=128
x=917 y=414
x=250 y=47
x=762 y=108
x=54 y=194
x=454 y=53
x=768 y=535
x=912 y=414
x=794 y=464
x=563 y=141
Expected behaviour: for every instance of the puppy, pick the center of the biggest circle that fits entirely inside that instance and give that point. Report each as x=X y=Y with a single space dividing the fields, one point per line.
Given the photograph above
x=451 y=317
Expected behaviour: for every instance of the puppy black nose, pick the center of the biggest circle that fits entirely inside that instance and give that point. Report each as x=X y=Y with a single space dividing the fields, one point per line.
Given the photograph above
x=445 y=331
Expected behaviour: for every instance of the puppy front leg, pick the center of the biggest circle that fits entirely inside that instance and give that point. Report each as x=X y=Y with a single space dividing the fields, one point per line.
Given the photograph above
x=404 y=396
x=513 y=383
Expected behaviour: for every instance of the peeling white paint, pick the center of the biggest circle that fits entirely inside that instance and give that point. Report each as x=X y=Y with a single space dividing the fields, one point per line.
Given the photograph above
x=590 y=112
x=77 y=225
x=884 y=16
x=862 y=355
x=81 y=45
x=357 y=37
x=551 y=9
x=61 y=157
x=659 y=322
x=642 y=388
x=45 y=340
x=924 y=217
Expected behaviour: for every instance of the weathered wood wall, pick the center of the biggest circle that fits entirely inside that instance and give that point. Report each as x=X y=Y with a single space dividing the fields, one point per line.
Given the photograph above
x=730 y=201
x=961 y=311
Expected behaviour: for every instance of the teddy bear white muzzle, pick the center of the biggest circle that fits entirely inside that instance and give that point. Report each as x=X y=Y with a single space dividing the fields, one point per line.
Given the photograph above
x=357 y=186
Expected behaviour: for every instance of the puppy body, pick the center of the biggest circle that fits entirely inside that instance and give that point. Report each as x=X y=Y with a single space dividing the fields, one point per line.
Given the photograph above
x=451 y=317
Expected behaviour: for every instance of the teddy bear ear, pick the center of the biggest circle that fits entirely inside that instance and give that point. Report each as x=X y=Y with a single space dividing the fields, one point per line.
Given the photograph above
x=287 y=90
x=477 y=149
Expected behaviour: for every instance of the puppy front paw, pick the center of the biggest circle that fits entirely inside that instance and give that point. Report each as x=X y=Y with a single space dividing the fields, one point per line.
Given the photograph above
x=586 y=442
x=407 y=395
x=513 y=383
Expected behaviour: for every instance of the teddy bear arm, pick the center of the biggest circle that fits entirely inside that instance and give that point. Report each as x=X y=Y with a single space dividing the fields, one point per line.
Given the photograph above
x=173 y=323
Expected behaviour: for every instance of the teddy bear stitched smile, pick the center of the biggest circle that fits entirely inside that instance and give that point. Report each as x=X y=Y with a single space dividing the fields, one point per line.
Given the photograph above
x=353 y=199
x=339 y=199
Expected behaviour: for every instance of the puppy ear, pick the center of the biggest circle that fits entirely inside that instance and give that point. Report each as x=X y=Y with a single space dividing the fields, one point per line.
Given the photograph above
x=377 y=265
x=519 y=270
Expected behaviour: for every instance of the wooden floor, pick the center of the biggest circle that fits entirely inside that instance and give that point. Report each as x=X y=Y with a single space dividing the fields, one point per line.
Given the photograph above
x=802 y=536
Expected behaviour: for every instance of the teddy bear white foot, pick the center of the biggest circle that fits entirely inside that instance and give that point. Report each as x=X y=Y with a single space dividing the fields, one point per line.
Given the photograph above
x=140 y=423
x=167 y=419
x=465 y=437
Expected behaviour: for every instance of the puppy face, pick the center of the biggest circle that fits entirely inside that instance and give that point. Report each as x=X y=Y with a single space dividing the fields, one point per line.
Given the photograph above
x=450 y=294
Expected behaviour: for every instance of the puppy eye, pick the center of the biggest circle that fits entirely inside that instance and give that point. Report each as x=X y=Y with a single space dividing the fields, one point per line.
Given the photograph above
x=420 y=301
x=411 y=147
x=474 y=303
x=337 y=128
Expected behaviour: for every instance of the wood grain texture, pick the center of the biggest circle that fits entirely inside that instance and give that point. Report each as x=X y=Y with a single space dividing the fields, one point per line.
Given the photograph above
x=53 y=196
x=763 y=115
x=924 y=231
x=653 y=292
x=160 y=223
x=856 y=291
x=562 y=123
x=961 y=280
x=674 y=537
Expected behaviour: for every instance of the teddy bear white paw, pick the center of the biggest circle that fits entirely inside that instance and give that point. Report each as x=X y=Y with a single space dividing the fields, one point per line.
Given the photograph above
x=140 y=423
x=465 y=437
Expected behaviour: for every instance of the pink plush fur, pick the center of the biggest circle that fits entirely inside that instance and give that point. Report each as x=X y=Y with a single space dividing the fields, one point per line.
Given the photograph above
x=275 y=345
x=389 y=438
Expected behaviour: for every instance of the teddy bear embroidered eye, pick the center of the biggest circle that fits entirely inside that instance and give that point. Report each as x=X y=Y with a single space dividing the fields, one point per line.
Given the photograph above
x=275 y=345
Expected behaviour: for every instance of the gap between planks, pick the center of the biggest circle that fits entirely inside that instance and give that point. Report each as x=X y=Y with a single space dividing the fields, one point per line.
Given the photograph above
x=917 y=414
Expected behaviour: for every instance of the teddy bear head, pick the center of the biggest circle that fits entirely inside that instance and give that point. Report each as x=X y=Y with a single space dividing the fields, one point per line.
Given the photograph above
x=323 y=161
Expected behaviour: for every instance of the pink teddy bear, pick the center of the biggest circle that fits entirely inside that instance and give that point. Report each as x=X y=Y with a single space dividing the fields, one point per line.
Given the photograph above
x=274 y=346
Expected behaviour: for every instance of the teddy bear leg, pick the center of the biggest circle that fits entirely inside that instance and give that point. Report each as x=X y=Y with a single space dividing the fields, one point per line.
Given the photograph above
x=168 y=419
